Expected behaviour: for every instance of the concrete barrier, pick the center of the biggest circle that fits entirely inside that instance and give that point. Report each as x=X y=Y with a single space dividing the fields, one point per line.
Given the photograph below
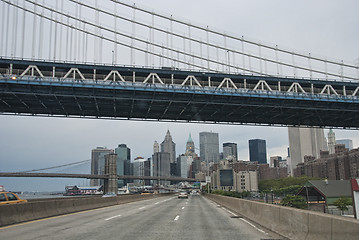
x=37 y=209
x=292 y=223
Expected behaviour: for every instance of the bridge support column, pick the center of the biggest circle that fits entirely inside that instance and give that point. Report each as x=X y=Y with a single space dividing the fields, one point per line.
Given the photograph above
x=111 y=171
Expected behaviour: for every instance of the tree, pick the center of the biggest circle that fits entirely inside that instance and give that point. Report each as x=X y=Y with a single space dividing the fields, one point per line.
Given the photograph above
x=294 y=201
x=342 y=204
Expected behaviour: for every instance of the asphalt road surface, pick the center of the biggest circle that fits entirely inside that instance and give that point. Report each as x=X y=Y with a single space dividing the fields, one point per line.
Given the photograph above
x=161 y=218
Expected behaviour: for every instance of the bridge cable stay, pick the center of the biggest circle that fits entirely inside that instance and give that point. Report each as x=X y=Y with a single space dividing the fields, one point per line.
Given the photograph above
x=98 y=31
x=243 y=40
x=220 y=47
x=64 y=165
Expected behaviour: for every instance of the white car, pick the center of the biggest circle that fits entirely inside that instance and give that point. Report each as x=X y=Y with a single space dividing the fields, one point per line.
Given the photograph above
x=183 y=194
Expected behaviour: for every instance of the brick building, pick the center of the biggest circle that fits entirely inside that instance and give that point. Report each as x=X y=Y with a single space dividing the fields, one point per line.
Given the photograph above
x=343 y=164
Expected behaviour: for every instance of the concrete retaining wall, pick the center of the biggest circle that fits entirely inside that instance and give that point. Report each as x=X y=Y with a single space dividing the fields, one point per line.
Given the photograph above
x=292 y=223
x=42 y=208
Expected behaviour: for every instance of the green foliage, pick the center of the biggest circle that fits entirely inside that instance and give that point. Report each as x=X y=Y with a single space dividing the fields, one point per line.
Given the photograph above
x=294 y=201
x=342 y=203
x=232 y=193
x=283 y=186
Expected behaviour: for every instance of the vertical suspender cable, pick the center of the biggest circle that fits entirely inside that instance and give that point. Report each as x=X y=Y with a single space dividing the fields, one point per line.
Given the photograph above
x=189 y=44
x=50 y=37
x=75 y=34
x=14 y=41
x=208 y=54
x=79 y=37
x=6 y=35
x=115 y=35
x=34 y=33
x=276 y=58
x=133 y=35
x=23 y=33
x=310 y=65
x=71 y=46
x=96 y=40
x=67 y=41
x=243 y=57
x=41 y=32
x=153 y=40
x=61 y=27
x=55 y=33
x=260 y=60
x=294 y=69
x=2 y=28
x=171 y=31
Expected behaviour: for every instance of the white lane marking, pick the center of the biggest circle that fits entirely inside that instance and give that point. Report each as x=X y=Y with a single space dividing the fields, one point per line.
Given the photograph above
x=157 y=203
x=245 y=221
x=112 y=217
x=230 y=212
x=176 y=218
x=141 y=207
x=253 y=226
x=182 y=207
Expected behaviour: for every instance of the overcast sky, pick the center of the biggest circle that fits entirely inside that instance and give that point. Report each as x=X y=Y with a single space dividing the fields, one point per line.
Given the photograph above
x=327 y=28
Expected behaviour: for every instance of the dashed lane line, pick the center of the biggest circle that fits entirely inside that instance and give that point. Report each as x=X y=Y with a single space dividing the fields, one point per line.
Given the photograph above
x=112 y=217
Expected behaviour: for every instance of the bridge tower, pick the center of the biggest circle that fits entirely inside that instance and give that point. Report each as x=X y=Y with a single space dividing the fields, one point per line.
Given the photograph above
x=111 y=170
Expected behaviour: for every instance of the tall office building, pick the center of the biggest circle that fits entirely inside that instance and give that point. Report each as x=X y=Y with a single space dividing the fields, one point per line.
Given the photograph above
x=161 y=166
x=230 y=150
x=184 y=163
x=331 y=141
x=98 y=163
x=141 y=167
x=209 y=147
x=156 y=147
x=305 y=142
x=123 y=162
x=347 y=142
x=169 y=146
x=257 y=150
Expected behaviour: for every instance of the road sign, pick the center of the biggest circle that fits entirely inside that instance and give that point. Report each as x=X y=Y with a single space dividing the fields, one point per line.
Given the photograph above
x=208 y=179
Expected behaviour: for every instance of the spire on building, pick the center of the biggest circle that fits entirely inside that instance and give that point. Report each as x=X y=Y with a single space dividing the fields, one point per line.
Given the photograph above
x=190 y=147
x=189 y=138
x=169 y=146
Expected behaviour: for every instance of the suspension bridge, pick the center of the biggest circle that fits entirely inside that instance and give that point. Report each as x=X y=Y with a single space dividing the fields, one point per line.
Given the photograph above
x=120 y=61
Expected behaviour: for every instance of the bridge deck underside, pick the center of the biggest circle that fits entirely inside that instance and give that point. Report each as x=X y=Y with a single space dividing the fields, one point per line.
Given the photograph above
x=148 y=103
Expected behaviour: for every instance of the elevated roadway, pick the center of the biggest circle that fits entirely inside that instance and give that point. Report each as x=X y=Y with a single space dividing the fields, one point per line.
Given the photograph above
x=93 y=176
x=160 y=218
x=39 y=88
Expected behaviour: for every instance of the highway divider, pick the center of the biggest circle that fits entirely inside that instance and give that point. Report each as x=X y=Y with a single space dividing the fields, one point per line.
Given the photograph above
x=290 y=222
x=43 y=208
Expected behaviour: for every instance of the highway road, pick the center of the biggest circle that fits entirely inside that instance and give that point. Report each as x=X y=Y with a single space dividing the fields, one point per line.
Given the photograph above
x=160 y=218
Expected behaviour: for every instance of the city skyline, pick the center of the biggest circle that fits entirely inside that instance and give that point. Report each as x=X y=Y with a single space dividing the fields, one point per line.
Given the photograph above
x=35 y=142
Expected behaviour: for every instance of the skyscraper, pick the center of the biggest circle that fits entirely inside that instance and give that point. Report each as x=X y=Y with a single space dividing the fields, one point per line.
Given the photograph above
x=123 y=162
x=161 y=166
x=97 y=162
x=230 y=149
x=190 y=149
x=141 y=167
x=169 y=146
x=183 y=165
x=156 y=147
x=257 y=150
x=331 y=141
x=305 y=142
x=209 y=147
